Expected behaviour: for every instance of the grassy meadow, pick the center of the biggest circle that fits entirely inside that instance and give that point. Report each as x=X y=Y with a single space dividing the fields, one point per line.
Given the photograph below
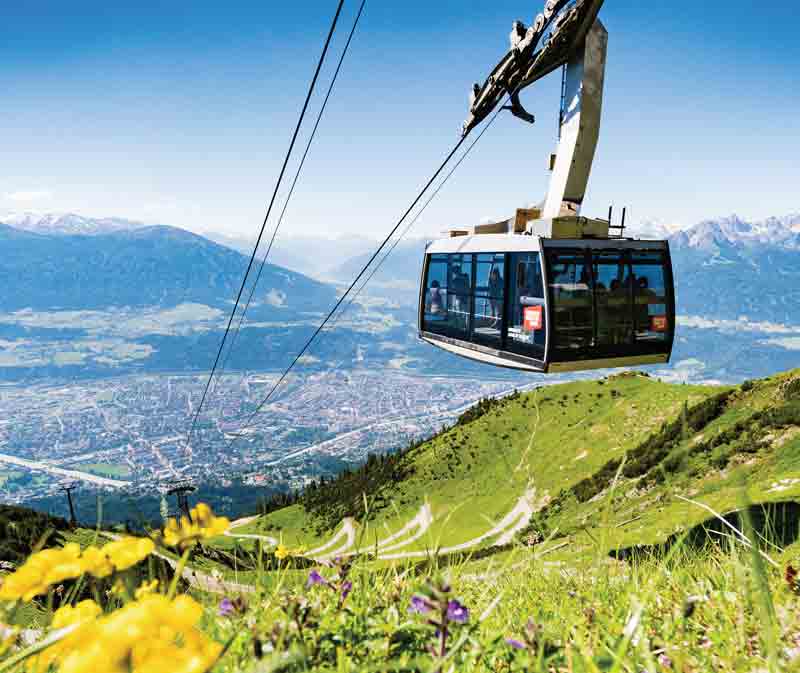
x=614 y=525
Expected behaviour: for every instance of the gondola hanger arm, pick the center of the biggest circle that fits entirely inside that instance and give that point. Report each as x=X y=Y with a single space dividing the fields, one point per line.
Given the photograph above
x=530 y=58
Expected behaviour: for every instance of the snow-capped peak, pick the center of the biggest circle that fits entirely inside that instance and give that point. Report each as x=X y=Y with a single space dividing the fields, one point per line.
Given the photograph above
x=654 y=228
x=734 y=231
x=67 y=223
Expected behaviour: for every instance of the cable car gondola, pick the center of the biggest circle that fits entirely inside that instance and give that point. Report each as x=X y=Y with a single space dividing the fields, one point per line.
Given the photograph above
x=550 y=290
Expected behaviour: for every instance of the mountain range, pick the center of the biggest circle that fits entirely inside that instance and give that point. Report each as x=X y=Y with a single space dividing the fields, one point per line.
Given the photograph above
x=725 y=268
x=315 y=256
x=134 y=267
x=732 y=269
x=737 y=285
x=715 y=236
x=68 y=223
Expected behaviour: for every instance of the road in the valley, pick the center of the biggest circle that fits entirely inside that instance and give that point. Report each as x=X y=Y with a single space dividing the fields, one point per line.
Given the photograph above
x=60 y=472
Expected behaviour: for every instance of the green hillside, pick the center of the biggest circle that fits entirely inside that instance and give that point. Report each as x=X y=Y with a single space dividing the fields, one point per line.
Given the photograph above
x=543 y=465
x=575 y=528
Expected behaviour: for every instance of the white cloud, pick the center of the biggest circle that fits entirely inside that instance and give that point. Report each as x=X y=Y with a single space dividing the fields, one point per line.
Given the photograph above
x=743 y=324
x=28 y=196
x=789 y=343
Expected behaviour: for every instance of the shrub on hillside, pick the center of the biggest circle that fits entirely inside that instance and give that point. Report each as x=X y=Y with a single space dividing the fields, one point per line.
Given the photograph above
x=22 y=530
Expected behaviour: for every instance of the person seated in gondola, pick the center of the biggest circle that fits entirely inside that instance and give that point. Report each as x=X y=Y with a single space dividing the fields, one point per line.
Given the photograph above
x=495 y=295
x=610 y=311
x=435 y=303
x=459 y=286
x=643 y=297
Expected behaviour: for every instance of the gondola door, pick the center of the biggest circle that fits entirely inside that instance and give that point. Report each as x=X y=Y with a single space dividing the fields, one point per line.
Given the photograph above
x=489 y=300
x=572 y=312
x=613 y=294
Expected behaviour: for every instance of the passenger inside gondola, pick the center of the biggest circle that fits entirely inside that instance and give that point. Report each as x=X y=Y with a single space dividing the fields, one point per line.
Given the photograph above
x=459 y=296
x=495 y=295
x=572 y=301
x=435 y=303
x=487 y=328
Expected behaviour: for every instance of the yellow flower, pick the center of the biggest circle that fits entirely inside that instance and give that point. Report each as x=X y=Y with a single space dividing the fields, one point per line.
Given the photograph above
x=201 y=525
x=143 y=636
x=152 y=634
x=40 y=571
x=67 y=615
x=281 y=552
x=96 y=562
x=146 y=589
x=53 y=566
x=128 y=551
x=117 y=555
x=82 y=617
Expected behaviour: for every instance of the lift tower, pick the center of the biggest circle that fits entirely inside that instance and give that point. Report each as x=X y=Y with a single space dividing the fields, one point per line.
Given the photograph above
x=181 y=491
x=68 y=488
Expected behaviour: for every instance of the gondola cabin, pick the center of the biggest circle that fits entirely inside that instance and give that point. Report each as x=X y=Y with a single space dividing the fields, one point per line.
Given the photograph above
x=549 y=290
x=575 y=299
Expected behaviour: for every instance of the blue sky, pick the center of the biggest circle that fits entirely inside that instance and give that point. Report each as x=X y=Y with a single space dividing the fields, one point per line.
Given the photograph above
x=181 y=112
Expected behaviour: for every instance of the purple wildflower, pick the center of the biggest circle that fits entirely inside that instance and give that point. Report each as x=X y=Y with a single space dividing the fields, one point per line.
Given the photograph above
x=315 y=578
x=457 y=612
x=419 y=605
x=347 y=587
x=516 y=644
x=226 y=607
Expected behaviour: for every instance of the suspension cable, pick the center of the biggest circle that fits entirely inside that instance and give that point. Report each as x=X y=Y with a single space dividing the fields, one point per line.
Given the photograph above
x=419 y=214
x=311 y=88
x=243 y=315
x=415 y=220
x=349 y=290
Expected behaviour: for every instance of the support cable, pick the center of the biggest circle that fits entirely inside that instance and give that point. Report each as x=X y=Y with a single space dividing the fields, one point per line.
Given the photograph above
x=415 y=220
x=291 y=190
x=311 y=88
x=419 y=214
x=349 y=290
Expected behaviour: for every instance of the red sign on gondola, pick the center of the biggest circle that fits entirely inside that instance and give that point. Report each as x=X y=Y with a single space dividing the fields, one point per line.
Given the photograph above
x=658 y=323
x=533 y=318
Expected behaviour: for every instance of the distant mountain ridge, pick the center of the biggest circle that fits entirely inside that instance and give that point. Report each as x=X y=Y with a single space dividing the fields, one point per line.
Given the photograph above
x=733 y=232
x=68 y=223
x=725 y=268
x=404 y=264
x=730 y=268
x=143 y=266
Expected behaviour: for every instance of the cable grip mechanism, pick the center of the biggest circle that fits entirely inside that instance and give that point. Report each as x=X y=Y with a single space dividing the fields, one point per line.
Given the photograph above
x=516 y=108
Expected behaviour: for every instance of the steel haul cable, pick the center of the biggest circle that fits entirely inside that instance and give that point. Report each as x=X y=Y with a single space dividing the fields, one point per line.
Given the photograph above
x=372 y=259
x=291 y=190
x=405 y=231
x=311 y=88
x=341 y=300
x=382 y=260
x=415 y=220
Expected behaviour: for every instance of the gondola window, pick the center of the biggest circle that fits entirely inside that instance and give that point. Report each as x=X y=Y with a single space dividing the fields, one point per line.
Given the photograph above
x=613 y=281
x=650 y=298
x=489 y=293
x=526 y=321
x=571 y=298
